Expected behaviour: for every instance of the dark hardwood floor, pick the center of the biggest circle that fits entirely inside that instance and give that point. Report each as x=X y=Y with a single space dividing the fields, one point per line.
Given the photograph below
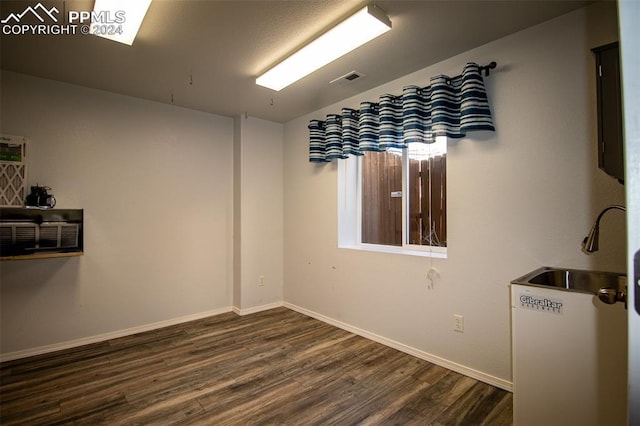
x=276 y=367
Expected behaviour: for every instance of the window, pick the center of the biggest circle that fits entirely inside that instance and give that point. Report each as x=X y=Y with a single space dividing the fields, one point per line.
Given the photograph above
x=395 y=201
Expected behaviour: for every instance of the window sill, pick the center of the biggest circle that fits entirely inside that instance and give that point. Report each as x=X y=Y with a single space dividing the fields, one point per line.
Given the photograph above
x=438 y=252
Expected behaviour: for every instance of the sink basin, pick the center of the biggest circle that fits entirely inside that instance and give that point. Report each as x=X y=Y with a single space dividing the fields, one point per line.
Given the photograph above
x=573 y=279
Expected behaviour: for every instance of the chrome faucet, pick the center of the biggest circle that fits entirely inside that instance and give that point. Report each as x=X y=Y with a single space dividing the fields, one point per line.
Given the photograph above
x=590 y=242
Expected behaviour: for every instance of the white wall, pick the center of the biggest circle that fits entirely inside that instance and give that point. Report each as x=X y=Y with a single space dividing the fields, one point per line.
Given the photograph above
x=258 y=199
x=519 y=198
x=155 y=183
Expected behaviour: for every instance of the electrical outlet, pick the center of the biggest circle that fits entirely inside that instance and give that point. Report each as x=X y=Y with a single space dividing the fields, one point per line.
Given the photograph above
x=261 y=281
x=458 y=323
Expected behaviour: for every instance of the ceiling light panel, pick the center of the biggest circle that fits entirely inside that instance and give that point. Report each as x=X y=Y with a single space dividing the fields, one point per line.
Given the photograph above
x=119 y=20
x=360 y=28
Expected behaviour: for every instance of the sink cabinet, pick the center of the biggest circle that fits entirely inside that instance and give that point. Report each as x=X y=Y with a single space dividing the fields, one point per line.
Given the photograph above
x=31 y=233
x=569 y=358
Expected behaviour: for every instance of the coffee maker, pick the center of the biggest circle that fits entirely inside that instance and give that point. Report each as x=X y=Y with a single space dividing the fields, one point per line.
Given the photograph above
x=39 y=197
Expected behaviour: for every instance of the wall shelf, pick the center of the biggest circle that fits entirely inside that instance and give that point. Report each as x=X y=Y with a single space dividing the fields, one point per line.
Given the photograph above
x=35 y=233
x=43 y=255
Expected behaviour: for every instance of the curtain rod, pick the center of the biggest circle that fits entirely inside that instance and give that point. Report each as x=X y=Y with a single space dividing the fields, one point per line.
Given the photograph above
x=486 y=68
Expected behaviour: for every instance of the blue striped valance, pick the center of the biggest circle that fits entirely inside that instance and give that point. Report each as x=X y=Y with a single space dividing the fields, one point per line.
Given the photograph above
x=447 y=107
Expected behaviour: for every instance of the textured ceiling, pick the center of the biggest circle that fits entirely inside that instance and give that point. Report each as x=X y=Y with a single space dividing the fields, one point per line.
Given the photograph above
x=205 y=55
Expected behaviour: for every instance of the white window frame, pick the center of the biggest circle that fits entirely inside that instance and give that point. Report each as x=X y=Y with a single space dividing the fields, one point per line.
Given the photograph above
x=350 y=212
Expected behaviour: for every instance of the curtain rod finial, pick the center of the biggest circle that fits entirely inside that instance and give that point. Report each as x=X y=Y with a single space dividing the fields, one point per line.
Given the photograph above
x=487 y=68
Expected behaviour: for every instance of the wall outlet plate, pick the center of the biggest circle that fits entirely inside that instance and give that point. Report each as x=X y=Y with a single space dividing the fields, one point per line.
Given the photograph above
x=458 y=323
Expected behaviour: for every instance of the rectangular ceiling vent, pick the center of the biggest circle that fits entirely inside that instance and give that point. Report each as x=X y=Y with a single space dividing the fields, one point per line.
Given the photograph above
x=348 y=77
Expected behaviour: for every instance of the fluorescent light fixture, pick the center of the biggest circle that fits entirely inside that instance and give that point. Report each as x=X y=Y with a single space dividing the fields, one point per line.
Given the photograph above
x=118 y=20
x=361 y=27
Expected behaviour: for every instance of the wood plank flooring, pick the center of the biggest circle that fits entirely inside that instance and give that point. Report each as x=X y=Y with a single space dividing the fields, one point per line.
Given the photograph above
x=276 y=367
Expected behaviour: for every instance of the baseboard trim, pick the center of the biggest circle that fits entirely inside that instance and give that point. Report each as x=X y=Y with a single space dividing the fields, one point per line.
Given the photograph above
x=108 y=336
x=459 y=368
x=256 y=309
